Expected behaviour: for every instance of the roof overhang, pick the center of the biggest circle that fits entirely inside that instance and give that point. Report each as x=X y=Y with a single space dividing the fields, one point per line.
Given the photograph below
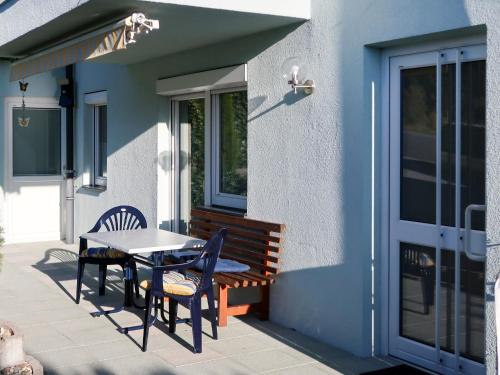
x=184 y=24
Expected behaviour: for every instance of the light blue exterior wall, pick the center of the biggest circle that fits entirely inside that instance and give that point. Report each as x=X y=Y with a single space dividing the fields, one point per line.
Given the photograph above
x=136 y=117
x=42 y=85
x=309 y=157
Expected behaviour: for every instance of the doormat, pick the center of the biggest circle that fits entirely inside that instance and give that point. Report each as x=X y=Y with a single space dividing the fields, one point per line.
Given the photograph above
x=397 y=370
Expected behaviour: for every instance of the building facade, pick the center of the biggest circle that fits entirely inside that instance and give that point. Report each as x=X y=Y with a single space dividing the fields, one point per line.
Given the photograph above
x=364 y=172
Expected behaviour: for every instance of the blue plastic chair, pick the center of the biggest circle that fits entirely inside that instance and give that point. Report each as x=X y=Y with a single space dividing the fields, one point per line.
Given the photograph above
x=204 y=285
x=117 y=218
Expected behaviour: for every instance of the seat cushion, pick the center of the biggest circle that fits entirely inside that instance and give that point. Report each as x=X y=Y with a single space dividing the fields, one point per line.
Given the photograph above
x=225 y=265
x=102 y=253
x=176 y=283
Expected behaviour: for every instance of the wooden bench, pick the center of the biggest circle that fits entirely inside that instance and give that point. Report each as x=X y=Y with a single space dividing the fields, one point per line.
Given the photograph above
x=255 y=243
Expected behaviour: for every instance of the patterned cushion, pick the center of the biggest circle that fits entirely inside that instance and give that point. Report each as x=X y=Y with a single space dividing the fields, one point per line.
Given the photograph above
x=102 y=252
x=222 y=265
x=177 y=283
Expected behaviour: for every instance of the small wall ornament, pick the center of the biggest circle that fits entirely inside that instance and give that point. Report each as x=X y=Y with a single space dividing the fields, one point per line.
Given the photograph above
x=23 y=121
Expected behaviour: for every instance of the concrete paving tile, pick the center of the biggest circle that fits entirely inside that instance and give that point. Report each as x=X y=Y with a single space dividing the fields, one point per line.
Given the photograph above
x=44 y=338
x=94 y=336
x=64 y=357
x=30 y=318
x=143 y=363
x=268 y=360
x=156 y=342
x=294 y=339
x=237 y=345
x=309 y=369
x=113 y=349
x=180 y=355
x=224 y=366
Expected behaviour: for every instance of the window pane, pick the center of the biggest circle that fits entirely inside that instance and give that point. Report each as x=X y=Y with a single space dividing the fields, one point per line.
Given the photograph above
x=103 y=141
x=233 y=143
x=418 y=144
x=473 y=138
x=417 y=285
x=417 y=299
x=191 y=158
x=37 y=147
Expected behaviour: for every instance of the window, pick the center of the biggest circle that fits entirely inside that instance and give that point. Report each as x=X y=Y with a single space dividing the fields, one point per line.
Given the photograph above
x=100 y=144
x=36 y=147
x=97 y=103
x=230 y=151
x=211 y=158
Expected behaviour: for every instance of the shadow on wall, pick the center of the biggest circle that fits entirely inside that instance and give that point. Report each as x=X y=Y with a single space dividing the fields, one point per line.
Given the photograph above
x=289 y=98
x=134 y=108
x=333 y=303
x=404 y=26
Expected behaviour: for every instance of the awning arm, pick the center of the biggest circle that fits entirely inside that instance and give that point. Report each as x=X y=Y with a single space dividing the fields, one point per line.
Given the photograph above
x=85 y=47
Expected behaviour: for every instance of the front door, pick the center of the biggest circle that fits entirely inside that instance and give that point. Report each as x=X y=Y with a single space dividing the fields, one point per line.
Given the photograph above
x=33 y=170
x=437 y=170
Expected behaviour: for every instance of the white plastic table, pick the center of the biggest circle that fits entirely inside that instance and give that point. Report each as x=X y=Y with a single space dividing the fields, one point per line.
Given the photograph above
x=142 y=241
x=137 y=242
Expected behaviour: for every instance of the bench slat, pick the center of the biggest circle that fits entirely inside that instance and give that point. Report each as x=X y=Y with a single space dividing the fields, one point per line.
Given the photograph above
x=238 y=231
x=229 y=248
x=244 y=222
x=238 y=239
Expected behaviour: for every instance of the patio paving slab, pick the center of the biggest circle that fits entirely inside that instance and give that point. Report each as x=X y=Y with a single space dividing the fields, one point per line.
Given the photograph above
x=37 y=288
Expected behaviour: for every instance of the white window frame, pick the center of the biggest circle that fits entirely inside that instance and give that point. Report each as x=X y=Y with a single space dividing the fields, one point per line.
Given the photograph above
x=213 y=195
x=95 y=101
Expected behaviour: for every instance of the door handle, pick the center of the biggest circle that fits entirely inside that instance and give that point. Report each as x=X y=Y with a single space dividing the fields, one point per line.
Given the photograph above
x=468 y=229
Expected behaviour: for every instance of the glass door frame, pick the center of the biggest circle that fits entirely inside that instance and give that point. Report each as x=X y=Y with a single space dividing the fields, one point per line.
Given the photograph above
x=176 y=148
x=433 y=235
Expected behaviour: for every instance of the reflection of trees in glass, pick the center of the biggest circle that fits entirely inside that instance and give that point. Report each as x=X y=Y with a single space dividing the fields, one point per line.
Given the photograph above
x=196 y=115
x=419 y=99
x=233 y=137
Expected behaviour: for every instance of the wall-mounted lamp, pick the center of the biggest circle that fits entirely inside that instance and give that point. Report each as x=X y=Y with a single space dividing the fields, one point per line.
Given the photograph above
x=294 y=72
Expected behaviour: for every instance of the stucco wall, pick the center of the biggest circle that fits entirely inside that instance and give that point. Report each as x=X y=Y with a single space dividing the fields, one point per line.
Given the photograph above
x=309 y=157
x=138 y=127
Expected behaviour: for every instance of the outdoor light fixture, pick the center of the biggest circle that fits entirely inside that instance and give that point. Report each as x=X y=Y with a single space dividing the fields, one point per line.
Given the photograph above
x=138 y=23
x=294 y=72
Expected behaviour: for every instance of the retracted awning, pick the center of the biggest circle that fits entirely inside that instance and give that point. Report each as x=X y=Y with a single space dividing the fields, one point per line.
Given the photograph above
x=87 y=47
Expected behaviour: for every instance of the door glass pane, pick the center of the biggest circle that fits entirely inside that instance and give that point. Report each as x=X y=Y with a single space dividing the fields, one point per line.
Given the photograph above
x=191 y=158
x=448 y=144
x=233 y=143
x=36 y=147
x=418 y=145
x=472 y=141
x=103 y=140
x=471 y=306
x=417 y=299
x=417 y=289
x=473 y=138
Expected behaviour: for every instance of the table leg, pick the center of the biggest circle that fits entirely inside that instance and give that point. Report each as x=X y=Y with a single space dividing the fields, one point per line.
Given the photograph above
x=128 y=299
x=157 y=260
